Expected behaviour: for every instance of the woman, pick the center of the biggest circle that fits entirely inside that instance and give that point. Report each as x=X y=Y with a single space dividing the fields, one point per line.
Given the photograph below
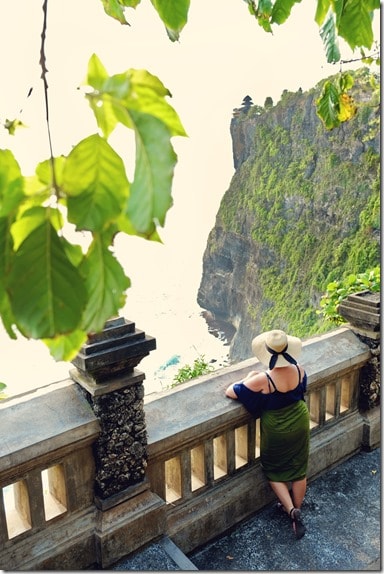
x=284 y=421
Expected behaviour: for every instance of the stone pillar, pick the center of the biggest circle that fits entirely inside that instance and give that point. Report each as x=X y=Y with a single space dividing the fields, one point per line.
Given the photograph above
x=362 y=310
x=105 y=370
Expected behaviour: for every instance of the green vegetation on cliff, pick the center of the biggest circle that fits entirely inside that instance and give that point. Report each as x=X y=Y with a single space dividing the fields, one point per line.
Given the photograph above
x=308 y=203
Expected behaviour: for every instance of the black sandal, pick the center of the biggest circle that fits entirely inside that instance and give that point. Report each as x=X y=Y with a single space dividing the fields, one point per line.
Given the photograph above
x=297 y=523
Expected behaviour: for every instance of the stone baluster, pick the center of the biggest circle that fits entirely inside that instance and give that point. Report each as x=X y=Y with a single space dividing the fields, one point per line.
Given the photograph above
x=105 y=370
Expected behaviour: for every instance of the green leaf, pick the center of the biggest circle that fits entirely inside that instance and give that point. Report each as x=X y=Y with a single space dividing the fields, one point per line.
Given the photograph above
x=354 y=23
x=110 y=91
x=174 y=14
x=329 y=36
x=148 y=96
x=6 y=246
x=114 y=9
x=104 y=108
x=345 y=81
x=31 y=219
x=6 y=314
x=281 y=10
x=6 y=254
x=11 y=183
x=96 y=184
x=155 y=160
x=136 y=90
x=321 y=11
x=66 y=347
x=106 y=284
x=125 y=225
x=328 y=105
x=263 y=15
x=36 y=192
x=44 y=171
x=46 y=291
x=73 y=252
x=96 y=73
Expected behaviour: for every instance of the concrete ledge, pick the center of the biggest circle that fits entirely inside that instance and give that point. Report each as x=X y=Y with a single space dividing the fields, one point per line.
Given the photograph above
x=69 y=545
x=53 y=417
x=128 y=526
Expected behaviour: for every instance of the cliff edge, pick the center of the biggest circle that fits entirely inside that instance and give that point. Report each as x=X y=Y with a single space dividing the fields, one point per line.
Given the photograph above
x=302 y=209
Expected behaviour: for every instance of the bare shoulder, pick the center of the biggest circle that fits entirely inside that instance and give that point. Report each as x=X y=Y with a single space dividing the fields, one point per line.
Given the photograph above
x=256 y=381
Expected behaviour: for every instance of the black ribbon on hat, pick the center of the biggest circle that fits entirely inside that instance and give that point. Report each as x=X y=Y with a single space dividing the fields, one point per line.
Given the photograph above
x=275 y=355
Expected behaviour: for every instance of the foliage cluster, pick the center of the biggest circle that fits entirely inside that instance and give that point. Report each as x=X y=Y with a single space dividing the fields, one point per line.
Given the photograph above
x=188 y=372
x=72 y=291
x=337 y=291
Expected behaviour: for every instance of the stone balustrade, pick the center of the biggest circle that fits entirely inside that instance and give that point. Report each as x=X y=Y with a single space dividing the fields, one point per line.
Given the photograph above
x=47 y=475
x=66 y=505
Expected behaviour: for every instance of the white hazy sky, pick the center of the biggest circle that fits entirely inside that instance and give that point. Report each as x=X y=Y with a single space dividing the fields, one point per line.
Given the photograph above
x=222 y=56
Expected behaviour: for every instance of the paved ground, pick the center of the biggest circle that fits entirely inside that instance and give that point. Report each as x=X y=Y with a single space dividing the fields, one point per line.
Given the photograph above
x=342 y=515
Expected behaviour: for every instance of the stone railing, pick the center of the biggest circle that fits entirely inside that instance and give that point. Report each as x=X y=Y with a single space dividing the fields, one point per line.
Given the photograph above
x=86 y=478
x=47 y=475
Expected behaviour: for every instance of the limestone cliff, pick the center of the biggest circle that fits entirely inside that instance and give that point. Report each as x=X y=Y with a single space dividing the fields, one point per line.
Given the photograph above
x=302 y=210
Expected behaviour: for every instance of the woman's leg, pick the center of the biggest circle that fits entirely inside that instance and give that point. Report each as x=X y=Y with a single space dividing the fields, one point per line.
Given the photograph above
x=282 y=492
x=299 y=488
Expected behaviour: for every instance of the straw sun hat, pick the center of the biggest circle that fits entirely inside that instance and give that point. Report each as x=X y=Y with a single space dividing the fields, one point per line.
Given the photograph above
x=276 y=348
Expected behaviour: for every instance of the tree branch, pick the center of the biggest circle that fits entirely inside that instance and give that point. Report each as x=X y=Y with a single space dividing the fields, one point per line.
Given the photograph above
x=44 y=72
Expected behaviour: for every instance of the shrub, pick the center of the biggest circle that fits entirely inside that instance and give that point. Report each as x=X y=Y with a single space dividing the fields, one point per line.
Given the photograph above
x=339 y=290
x=200 y=367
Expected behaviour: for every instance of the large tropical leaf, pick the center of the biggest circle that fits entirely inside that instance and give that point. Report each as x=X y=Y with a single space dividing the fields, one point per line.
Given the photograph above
x=106 y=284
x=46 y=291
x=151 y=189
x=354 y=23
x=96 y=184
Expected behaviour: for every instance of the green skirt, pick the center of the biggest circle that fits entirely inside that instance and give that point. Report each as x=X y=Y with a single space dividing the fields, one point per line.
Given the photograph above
x=284 y=447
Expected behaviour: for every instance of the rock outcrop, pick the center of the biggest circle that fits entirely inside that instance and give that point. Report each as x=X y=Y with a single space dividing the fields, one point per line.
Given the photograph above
x=302 y=210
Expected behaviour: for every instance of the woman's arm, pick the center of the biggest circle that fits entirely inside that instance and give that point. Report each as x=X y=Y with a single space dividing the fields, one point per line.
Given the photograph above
x=230 y=392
